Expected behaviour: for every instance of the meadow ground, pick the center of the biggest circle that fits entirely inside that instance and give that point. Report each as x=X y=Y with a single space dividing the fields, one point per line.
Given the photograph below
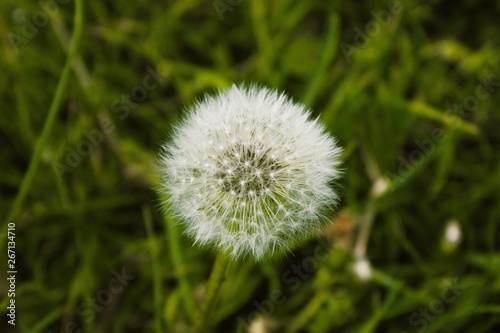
x=410 y=88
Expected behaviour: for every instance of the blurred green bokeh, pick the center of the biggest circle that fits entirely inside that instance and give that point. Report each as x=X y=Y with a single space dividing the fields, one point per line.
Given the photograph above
x=411 y=89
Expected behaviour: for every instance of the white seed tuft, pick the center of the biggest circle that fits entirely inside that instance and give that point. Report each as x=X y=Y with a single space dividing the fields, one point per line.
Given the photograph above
x=249 y=173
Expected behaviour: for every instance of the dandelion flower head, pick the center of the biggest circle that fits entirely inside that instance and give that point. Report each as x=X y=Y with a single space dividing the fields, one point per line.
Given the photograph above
x=249 y=173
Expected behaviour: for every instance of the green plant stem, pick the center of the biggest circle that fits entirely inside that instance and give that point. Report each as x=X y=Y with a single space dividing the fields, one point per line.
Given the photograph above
x=172 y=238
x=156 y=268
x=308 y=312
x=329 y=51
x=54 y=107
x=214 y=283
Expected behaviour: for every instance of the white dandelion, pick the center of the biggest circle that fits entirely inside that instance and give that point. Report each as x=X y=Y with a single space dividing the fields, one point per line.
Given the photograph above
x=249 y=173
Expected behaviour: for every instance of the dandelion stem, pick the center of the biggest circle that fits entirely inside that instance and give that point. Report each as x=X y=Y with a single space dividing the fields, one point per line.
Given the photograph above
x=214 y=283
x=373 y=171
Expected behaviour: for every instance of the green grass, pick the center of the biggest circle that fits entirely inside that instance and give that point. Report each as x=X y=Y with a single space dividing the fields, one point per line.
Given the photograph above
x=83 y=217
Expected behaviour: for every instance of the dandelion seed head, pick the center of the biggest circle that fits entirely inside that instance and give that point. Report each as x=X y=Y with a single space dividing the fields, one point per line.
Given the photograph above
x=249 y=173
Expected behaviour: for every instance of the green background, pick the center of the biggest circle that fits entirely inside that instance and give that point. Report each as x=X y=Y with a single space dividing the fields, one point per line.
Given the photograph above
x=402 y=85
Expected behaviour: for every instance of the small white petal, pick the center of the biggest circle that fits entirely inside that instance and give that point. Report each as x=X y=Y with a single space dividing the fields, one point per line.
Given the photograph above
x=453 y=233
x=363 y=269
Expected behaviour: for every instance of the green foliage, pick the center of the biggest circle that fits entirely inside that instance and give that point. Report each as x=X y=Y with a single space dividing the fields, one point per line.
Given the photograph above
x=402 y=85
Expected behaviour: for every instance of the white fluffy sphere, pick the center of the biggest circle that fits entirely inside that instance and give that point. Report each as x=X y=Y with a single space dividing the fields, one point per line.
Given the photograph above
x=249 y=173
